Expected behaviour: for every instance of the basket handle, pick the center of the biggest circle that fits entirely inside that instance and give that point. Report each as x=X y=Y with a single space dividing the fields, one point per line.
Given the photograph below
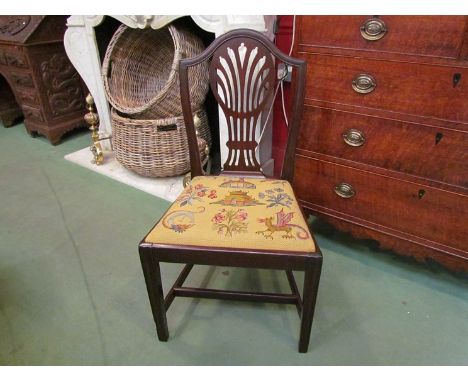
x=109 y=68
x=165 y=128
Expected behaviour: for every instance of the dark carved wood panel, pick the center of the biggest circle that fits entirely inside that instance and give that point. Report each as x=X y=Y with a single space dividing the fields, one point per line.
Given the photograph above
x=42 y=79
x=28 y=96
x=33 y=113
x=12 y=25
x=63 y=85
x=22 y=79
x=16 y=60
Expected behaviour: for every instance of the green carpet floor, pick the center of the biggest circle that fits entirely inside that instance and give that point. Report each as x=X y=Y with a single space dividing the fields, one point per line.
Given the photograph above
x=72 y=291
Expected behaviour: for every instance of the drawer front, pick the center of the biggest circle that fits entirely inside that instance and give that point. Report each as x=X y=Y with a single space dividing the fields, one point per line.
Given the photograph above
x=419 y=210
x=437 y=36
x=424 y=90
x=420 y=150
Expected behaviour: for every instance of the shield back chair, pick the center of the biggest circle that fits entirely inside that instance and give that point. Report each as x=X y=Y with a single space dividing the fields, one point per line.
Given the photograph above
x=240 y=218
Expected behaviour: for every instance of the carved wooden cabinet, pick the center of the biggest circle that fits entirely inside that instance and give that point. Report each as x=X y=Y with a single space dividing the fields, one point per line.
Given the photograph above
x=383 y=148
x=45 y=85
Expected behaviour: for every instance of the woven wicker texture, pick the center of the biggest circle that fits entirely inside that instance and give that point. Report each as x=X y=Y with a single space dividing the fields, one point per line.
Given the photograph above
x=140 y=71
x=159 y=147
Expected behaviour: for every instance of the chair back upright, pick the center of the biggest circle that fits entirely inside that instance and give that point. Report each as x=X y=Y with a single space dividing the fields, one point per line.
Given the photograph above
x=243 y=78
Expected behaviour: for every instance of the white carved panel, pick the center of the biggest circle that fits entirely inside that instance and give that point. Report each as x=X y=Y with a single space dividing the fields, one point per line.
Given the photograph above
x=81 y=47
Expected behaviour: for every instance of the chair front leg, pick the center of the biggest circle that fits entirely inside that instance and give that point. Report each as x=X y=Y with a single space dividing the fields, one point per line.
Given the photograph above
x=152 y=273
x=311 y=283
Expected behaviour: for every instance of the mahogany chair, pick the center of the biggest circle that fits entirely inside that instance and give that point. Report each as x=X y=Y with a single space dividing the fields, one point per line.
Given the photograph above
x=240 y=218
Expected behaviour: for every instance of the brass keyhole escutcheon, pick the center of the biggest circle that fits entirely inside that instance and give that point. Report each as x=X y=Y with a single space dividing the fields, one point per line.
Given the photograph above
x=421 y=193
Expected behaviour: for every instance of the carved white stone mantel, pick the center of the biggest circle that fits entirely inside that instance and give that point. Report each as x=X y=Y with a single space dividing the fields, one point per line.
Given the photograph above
x=81 y=47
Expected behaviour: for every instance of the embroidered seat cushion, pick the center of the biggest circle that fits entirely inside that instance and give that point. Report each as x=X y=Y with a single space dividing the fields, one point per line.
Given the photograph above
x=230 y=212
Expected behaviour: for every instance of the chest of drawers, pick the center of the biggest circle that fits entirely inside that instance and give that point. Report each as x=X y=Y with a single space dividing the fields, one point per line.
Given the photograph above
x=383 y=147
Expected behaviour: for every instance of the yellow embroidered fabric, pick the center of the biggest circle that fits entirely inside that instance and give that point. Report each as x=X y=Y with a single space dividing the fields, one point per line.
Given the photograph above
x=229 y=212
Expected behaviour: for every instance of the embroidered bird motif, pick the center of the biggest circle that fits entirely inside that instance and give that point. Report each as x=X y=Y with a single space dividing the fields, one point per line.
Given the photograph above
x=283 y=225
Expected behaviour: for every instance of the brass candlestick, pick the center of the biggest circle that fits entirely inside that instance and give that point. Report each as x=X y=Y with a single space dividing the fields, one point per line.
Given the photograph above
x=92 y=119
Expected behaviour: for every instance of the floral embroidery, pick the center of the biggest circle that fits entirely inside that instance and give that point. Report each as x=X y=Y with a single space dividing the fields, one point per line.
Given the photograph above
x=263 y=217
x=276 y=197
x=197 y=192
x=230 y=221
x=282 y=225
x=180 y=221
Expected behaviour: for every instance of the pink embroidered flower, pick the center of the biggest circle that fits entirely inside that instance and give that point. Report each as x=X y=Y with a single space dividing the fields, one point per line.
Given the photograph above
x=212 y=194
x=198 y=186
x=219 y=217
x=230 y=221
x=242 y=215
x=201 y=193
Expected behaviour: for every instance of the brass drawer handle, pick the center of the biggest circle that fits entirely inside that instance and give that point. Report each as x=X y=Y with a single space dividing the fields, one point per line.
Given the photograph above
x=373 y=29
x=345 y=190
x=364 y=83
x=354 y=137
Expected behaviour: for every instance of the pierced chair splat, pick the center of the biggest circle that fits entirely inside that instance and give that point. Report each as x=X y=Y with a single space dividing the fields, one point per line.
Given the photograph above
x=240 y=218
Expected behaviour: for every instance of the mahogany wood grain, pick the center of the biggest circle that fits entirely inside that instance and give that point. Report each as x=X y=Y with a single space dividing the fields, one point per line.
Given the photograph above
x=423 y=90
x=421 y=150
x=311 y=283
x=234 y=295
x=415 y=124
x=152 y=274
x=391 y=115
x=396 y=243
x=405 y=35
x=436 y=215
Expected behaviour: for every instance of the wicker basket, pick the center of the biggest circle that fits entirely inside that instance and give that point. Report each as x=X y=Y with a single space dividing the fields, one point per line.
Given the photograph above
x=140 y=71
x=157 y=148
